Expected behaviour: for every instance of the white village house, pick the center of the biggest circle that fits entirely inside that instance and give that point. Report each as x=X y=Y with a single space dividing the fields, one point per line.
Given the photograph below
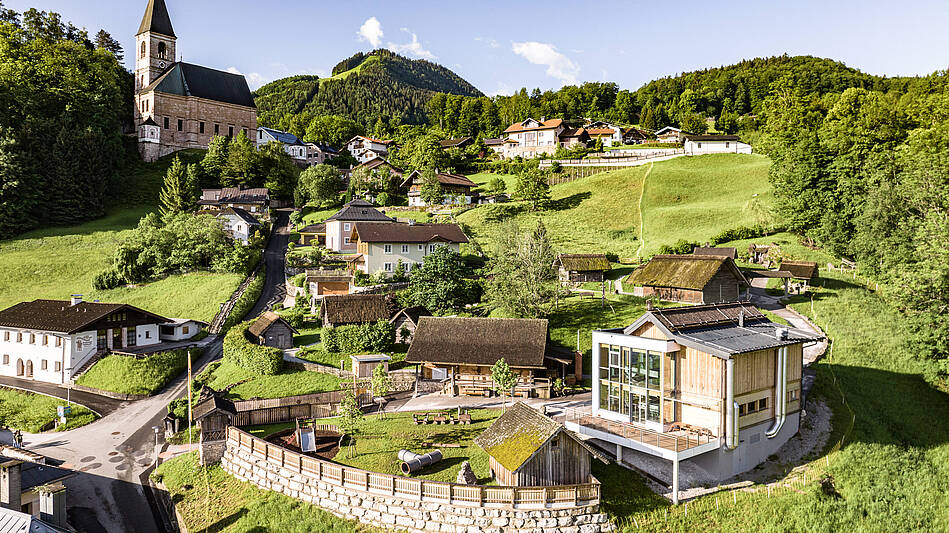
x=534 y=137
x=366 y=148
x=50 y=340
x=381 y=246
x=339 y=227
x=292 y=145
x=239 y=224
x=715 y=144
x=669 y=134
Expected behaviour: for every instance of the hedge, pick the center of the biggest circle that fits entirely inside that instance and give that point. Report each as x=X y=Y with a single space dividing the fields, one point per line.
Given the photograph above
x=238 y=349
x=246 y=302
x=377 y=337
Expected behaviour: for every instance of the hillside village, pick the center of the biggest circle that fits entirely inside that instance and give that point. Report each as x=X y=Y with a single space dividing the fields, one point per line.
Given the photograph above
x=289 y=317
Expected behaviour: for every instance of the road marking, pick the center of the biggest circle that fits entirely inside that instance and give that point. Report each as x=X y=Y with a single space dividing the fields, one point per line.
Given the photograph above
x=642 y=217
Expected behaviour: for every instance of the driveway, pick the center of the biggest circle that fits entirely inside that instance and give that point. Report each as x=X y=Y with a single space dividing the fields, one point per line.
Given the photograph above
x=275 y=260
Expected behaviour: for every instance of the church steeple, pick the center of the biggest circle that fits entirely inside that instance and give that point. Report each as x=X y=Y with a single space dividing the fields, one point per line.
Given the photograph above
x=156 y=19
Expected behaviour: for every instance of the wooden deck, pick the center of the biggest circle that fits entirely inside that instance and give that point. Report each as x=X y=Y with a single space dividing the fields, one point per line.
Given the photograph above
x=674 y=441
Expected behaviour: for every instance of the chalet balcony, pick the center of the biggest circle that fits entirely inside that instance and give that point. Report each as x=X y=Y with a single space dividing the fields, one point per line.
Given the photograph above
x=678 y=444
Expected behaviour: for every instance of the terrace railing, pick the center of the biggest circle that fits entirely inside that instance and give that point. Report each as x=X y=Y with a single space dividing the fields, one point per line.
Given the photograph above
x=411 y=488
x=677 y=442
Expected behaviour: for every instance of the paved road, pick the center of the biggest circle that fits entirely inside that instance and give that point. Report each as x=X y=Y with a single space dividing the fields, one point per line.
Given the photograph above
x=113 y=454
x=100 y=404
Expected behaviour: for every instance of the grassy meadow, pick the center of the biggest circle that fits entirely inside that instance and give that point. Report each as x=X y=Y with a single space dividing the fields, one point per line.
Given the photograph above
x=31 y=412
x=222 y=374
x=128 y=375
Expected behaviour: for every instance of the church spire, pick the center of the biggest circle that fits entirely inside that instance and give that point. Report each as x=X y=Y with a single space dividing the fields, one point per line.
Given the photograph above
x=156 y=19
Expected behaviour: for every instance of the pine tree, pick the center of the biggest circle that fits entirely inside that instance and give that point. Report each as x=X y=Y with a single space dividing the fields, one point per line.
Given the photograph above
x=104 y=41
x=648 y=119
x=177 y=195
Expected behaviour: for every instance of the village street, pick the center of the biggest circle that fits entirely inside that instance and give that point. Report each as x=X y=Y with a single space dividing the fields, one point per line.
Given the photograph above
x=113 y=455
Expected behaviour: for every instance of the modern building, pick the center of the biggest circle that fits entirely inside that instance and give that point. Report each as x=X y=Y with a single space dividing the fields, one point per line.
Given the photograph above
x=180 y=105
x=50 y=340
x=718 y=385
x=381 y=246
x=339 y=227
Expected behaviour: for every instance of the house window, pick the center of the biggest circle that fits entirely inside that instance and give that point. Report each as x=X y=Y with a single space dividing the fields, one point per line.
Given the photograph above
x=166 y=123
x=346 y=240
x=201 y=127
x=388 y=248
x=347 y=226
x=405 y=248
x=230 y=131
x=6 y=359
x=6 y=336
x=58 y=367
x=180 y=125
x=43 y=364
x=148 y=334
x=142 y=53
x=421 y=247
x=698 y=145
x=19 y=336
x=185 y=330
x=59 y=342
x=727 y=144
x=387 y=267
x=45 y=340
x=762 y=404
x=32 y=338
x=217 y=129
x=244 y=131
x=431 y=248
x=793 y=395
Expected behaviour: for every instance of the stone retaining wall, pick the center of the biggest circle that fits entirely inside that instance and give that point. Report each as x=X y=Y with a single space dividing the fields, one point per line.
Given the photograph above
x=400 y=513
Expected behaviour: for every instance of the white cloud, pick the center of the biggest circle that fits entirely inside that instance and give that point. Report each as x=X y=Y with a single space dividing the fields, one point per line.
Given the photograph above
x=503 y=89
x=489 y=41
x=413 y=48
x=254 y=79
x=371 y=32
x=558 y=65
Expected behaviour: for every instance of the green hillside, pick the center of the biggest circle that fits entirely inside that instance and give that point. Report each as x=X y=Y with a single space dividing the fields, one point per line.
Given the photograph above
x=363 y=87
x=691 y=198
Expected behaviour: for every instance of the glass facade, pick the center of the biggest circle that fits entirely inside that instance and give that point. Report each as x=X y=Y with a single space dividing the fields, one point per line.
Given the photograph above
x=632 y=384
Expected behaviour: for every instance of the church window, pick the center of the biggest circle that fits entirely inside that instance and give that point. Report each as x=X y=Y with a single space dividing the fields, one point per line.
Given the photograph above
x=166 y=123
x=180 y=125
x=143 y=50
x=161 y=50
x=201 y=127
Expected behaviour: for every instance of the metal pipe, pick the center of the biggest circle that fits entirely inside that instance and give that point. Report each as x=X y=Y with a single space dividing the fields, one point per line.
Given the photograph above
x=781 y=395
x=731 y=407
x=413 y=462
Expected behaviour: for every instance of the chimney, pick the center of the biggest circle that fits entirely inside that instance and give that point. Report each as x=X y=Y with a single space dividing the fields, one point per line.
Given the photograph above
x=741 y=319
x=75 y=300
x=10 y=484
x=781 y=333
x=53 y=504
x=543 y=119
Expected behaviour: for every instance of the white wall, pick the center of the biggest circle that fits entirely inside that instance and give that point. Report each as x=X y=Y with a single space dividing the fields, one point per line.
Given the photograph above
x=716 y=147
x=336 y=235
x=179 y=331
x=376 y=259
x=147 y=335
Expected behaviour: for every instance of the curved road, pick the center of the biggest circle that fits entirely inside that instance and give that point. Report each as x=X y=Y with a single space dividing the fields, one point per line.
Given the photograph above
x=113 y=455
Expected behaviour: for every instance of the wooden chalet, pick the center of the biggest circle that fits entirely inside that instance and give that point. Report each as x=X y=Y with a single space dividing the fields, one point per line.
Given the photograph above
x=696 y=279
x=528 y=449
x=346 y=309
x=461 y=352
x=458 y=189
x=407 y=320
x=270 y=329
x=730 y=252
x=579 y=268
x=458 y=142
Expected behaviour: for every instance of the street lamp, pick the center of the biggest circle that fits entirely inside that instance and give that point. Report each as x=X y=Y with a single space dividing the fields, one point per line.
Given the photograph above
x=156 y=429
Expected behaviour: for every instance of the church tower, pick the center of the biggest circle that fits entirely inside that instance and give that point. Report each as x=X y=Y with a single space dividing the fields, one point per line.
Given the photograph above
x=154 y=44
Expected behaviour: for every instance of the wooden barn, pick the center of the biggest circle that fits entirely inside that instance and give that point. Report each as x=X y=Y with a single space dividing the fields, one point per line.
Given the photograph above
x=528 y=449
x=805 y=271
x=322 y=282
x=270 y=329
x=407 y=320
x=695 y=279
x=580 y=268
x=345 y=309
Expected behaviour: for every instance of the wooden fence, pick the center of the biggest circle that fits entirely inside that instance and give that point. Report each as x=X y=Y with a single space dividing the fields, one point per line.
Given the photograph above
x=276 y=410
x=412 y=488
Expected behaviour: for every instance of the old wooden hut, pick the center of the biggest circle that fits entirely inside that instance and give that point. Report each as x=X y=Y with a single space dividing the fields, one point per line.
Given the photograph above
x=213 y=414
x=580 y=268
x=805 y=271
x=406 y=321
x=365 y=365
x=528 y=449
x=270 y=329
x=345 y=309
x=697 y=279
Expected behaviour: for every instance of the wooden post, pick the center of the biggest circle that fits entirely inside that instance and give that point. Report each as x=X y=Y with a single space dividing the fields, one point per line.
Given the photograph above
x=190 y=445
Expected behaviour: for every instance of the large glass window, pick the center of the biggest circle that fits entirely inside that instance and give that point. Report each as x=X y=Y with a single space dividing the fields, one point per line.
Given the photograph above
x=637 y=368
x=631 y=382
x=655 y=371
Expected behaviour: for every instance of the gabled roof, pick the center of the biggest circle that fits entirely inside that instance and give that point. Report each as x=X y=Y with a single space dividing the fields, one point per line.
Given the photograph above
x=413 y=314
x=243 y=215
x=323 y=147
x=453 y=180
x=479 y=341
x=517 y=435
x=800 y=269
x=264 y=321
x=683 y=271
x=17 y=522
x=456 y=142
x=600 y=131
x=583 y=262
x=234 y=195
x=710 y=138
x=712 y=250
x=373 y=232
x=211 y=404
x=354 y=308
x=573 y=132
x=370 y=139
x=60 y=316
x=534 y=125
x=282 y=136
x=722 y=330
x=493 y=142
x=377 y=162
x=359 y=210
x=185 y=79
x=313 y=228
x=156 y=19
x=149 y=122
x=669 y=129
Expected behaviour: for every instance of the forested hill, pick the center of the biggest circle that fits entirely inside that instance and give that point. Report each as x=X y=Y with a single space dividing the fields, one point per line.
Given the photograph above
x=363 y=87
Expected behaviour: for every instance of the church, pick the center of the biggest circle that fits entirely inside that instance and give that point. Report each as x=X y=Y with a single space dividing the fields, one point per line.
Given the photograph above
x=179 y=105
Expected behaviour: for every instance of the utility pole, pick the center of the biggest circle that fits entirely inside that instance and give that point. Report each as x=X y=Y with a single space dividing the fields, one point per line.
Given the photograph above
x=190 y=444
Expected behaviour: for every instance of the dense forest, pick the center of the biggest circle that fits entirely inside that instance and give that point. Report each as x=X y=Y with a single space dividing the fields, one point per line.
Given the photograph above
x=363 y=88
x=63 y=101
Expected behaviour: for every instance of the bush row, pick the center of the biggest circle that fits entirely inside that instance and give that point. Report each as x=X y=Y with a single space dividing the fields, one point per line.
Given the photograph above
x=246 y=301
x=238 y=349
x=377 y=337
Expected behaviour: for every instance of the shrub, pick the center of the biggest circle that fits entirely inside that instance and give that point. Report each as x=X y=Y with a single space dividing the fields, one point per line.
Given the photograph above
x=262 y=360
x=682 y=247
x=107 y=279
x=377 y=337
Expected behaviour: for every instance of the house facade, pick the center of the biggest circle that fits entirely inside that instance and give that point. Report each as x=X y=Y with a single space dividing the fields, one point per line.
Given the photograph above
x=534 y=137
x=318 y=153
x=694 y=279
x=502 y=147
x=367 y=148
x=381 y=246
x=50 y=340
x=715 y=144
x=669 y=134
x=458 y=189
x=254 y=201
x=608 y=133
x=717 y=384
x=339 y=227
x=187 y=104
x=292 y=145
x=239 y=224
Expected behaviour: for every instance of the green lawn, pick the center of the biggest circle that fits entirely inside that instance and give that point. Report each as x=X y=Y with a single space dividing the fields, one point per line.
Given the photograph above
x=315 y=216
x=286 y=383
x=30 y=412
x=484 y=178
x=378 y=441
x=211 y=500
x=128 y=375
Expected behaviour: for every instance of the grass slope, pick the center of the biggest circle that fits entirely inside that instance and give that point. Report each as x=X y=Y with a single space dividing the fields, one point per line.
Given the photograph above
x=30 y=412
x=211 y=500
x=128 y=375
x=286 y=383
x=686 y=198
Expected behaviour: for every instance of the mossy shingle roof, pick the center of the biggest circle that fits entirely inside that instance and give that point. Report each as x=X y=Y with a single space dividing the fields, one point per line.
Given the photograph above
x=517 y=435
x=520 y=342
x=683 y=271
x=583 y=262
x=354 y=308
x=800 y=269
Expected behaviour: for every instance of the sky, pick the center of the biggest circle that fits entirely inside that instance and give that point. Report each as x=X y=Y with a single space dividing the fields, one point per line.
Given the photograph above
x=501 y=46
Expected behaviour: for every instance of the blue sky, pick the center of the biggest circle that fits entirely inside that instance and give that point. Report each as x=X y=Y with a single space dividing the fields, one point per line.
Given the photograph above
x=500 y=46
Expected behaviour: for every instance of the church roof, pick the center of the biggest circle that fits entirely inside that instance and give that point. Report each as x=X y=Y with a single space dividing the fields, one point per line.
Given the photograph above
x=185 y=79
x=156 y=19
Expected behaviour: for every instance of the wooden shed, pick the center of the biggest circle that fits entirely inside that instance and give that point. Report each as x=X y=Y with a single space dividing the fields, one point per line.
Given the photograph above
x=528 y=449
x=804 y=270
x=696 y=279
x=345 y=309
x=313 y=235
x=364 y=365
x=580 y=268
x=270 y=329
x=213 y=414
x=406 y=321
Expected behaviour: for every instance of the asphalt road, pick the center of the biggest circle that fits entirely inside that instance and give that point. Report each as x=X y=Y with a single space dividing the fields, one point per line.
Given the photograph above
x=100 y=404
x=112 y=455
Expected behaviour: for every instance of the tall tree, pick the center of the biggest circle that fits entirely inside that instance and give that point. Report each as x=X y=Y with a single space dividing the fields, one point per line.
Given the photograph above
x=439 y=283
x=432 y=192
x=319 y=185
x=104 y=41
x=241 y=165
x=532 y=186
x=523 y=282
x=178 y=194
